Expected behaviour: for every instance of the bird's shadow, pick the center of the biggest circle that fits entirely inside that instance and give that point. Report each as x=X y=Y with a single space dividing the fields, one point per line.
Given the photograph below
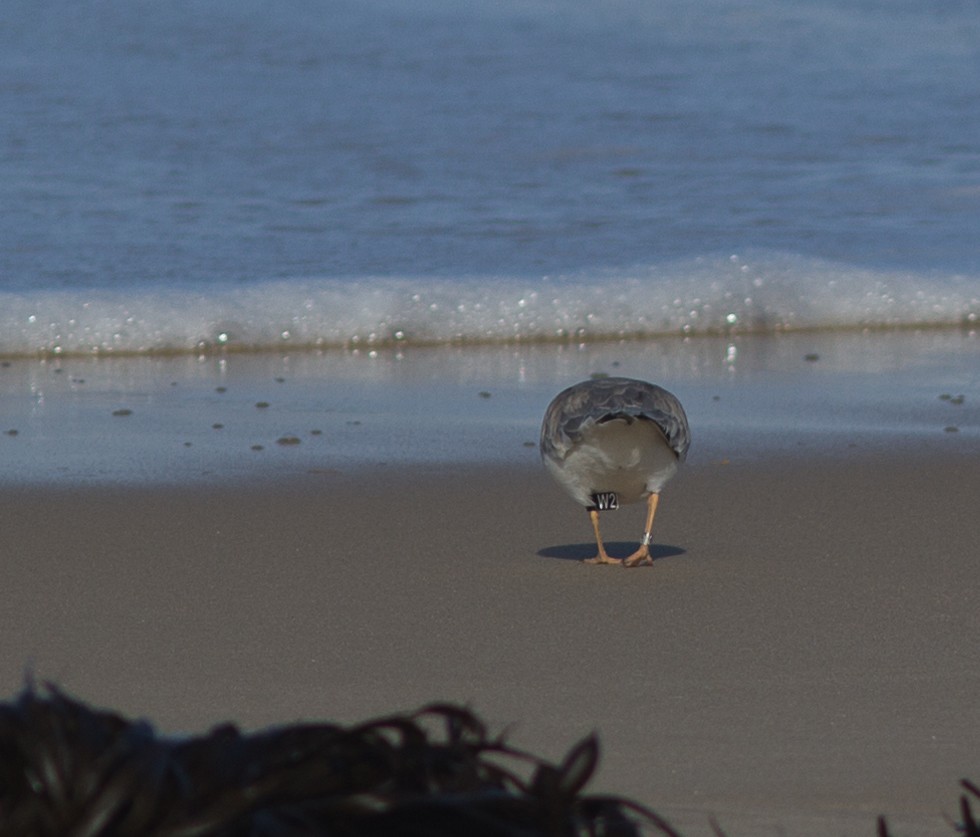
x=617 y=549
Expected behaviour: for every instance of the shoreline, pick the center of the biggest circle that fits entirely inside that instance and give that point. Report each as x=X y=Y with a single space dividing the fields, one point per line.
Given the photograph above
x=218 y=350
x=799 y=655
x=183 y=421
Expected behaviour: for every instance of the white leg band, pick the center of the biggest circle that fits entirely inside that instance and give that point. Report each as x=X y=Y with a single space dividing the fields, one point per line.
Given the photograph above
x=646 y=539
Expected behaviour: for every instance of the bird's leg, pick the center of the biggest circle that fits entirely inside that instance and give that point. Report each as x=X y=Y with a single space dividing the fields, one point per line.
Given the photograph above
x=642 y=555
x=603 y=557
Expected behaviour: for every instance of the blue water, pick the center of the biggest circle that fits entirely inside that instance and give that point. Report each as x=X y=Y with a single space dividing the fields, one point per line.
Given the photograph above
x=185 y=174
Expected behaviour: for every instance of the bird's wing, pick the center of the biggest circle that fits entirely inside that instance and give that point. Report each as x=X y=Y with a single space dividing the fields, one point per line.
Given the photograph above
x=580 y=407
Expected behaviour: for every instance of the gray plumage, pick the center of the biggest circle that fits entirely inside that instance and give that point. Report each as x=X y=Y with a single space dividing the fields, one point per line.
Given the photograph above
x=574 y=410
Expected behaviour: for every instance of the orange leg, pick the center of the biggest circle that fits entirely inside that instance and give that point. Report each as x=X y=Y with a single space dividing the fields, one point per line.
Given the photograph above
x=642 y=555
x=603 y=557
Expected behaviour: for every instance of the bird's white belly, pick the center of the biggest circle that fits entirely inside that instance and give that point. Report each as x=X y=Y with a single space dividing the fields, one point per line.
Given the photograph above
x=633 y=460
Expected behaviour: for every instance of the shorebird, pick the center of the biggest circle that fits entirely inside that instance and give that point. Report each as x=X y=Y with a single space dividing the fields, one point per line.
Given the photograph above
x=612 y=441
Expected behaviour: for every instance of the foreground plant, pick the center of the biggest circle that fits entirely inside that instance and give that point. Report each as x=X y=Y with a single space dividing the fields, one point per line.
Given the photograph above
x=969 y=827
x=66 y=769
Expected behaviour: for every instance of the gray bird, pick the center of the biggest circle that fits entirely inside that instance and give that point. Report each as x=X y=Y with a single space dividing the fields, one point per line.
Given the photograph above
x=612 y=441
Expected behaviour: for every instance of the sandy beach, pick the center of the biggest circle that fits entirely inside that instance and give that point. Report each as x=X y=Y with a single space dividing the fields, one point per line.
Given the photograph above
x=800 y=658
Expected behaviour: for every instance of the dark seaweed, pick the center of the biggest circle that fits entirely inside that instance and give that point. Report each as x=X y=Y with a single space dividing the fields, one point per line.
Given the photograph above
x=67 y=769
x=969 y=826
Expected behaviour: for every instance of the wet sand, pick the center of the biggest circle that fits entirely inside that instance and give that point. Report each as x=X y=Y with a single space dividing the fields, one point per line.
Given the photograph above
x=801 y=657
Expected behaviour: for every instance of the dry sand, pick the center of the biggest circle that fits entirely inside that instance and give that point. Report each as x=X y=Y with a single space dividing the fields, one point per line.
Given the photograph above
x=802 y=656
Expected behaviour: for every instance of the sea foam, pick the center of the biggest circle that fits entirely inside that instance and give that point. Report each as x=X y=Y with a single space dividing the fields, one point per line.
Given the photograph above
x=765 y=292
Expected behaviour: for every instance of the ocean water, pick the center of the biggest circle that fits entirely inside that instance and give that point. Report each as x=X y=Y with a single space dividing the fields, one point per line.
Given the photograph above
x=241 y=173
